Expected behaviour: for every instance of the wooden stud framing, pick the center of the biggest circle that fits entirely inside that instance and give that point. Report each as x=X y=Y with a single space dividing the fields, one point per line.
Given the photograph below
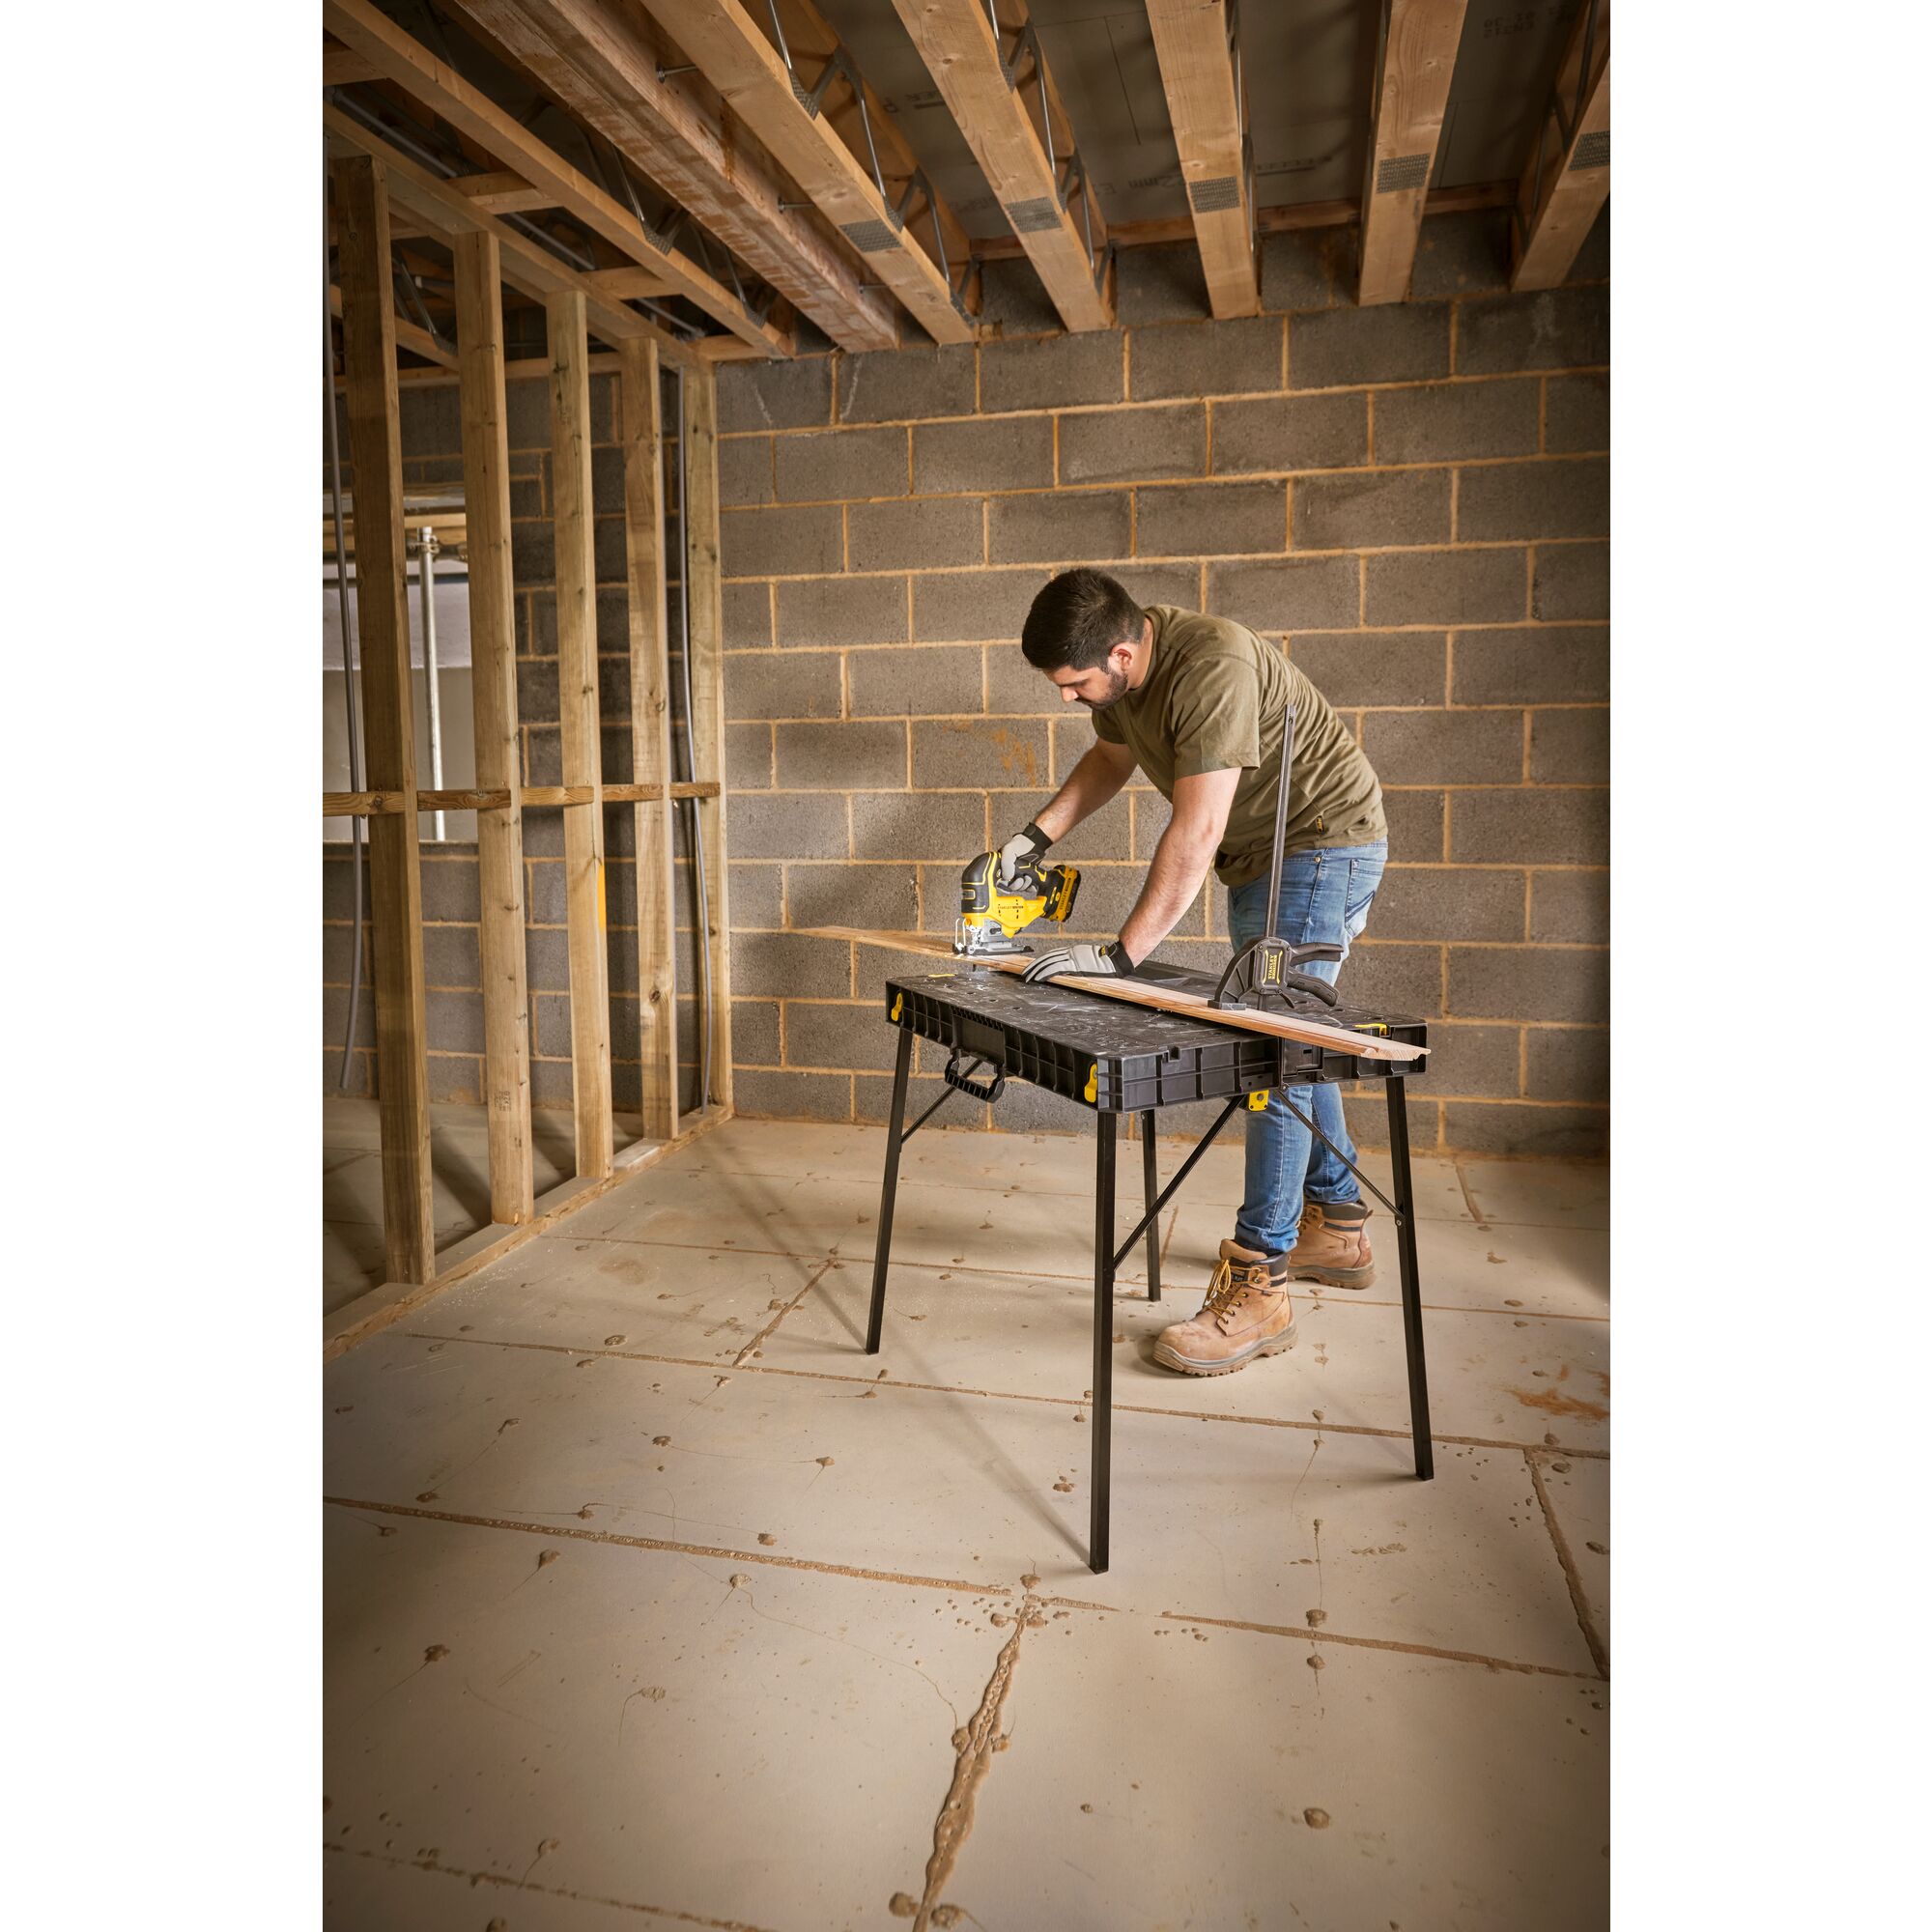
x=472 y=797
x=1198 y=71
x=831 y=164
x=493 y=644
x=1568 y=181
x=704 y=588
x=641 y=415
x=998 y=120
x=382 y=1307
x=1418 y=61
x=395 y=878
x=438 y=87
x=602 y=59
x=576 y=697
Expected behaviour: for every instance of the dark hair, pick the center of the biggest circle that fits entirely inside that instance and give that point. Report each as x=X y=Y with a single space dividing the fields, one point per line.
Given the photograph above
x=1077 y=620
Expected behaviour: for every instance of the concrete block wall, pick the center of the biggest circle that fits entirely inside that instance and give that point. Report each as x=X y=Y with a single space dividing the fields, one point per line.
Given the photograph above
x=432 y=455
x=1412 y=502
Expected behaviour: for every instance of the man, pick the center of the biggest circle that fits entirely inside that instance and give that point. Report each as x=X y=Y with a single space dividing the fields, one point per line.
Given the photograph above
x=1200 y=704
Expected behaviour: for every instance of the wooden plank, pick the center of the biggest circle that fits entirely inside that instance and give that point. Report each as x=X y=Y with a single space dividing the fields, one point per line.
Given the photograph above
x=448 y=525
x=382 y=636
x=1559 y=200
x=723 y=349
x=412 y=66
x=501 y=192
x=632 y=284
x=602 y=59
x=342 y=68
x=361 y=803
x=704 y=588
x=1290 y=219
x=1418 y=61
x=484 y=798
x=576 y=697
x=382 y=1307
x=738 y=58
x=998 y=121
x=492 y=646
x=1206 y=107
x=1138 y=993
x=528 y=267
x=410 y=336
x=641 y=416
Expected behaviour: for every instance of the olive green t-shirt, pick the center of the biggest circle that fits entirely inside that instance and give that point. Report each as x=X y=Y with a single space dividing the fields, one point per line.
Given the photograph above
x=1216 y=697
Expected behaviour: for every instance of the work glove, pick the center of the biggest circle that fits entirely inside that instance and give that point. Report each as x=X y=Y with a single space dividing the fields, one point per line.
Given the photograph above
x=1097 y=962
x=1023 y=849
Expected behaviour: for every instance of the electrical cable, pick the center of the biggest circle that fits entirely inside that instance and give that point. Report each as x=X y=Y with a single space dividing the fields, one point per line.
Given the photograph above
x=347 y=650
x=702 y=902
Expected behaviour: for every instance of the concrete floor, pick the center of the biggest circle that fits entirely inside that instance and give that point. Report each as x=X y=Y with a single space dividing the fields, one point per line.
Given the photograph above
x=650 y=1596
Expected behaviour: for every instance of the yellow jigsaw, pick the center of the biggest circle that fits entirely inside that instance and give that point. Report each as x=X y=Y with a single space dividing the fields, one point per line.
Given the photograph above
x=992 y=916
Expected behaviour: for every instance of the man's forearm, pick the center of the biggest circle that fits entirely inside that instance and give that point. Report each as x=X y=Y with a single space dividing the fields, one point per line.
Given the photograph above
x=1180 y=862
x=1088 y=785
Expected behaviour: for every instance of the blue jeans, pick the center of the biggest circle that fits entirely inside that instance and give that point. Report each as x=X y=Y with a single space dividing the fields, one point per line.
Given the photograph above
x=1325 y=896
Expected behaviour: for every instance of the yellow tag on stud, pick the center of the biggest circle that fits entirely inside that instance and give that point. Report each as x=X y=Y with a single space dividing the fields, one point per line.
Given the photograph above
x=1092 y=1087
x=899 y=1002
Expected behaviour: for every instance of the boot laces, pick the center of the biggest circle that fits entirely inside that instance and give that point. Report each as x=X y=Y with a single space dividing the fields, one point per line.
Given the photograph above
x=1227 y=1288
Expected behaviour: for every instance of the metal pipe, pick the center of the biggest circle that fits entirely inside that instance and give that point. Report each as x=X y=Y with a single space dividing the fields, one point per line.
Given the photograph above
x=426 y=551
x=348 y=651
x=700 y=918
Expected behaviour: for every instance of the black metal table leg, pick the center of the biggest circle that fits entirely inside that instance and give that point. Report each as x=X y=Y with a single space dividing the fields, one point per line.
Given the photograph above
x=1150 y=1189
x=1103 y=1340
x=889 y=1193
x=1411 y=1290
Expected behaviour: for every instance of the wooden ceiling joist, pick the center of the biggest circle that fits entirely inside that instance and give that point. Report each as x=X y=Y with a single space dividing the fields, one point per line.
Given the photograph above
x=607 y=63
x=1418 y=61
x=535 y=167
x=1568 y=179
x=1199 y=70
x=1006 y=104
x=441 y=207
x=855 y=167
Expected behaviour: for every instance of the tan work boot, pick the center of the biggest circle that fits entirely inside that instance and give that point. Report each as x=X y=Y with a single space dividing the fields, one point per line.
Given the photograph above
x=1331 y=1245
x=1247 y=1314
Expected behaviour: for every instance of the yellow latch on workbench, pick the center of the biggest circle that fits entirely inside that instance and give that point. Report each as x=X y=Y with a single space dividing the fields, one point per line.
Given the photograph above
x=898 y=1000
x=1257 y=1101
x=1091 y=1090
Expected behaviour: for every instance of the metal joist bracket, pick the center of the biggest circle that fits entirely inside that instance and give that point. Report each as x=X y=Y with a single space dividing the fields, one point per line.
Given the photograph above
x=839 y=65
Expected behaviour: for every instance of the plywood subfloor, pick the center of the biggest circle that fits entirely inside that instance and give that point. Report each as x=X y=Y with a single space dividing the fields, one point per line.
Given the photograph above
x=651 y=1596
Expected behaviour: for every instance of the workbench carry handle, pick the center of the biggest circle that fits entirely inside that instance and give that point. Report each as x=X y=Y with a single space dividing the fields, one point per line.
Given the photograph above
x=972 y=1089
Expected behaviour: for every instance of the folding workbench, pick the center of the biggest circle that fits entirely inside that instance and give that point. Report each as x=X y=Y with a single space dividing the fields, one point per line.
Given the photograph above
x=1122 y=1060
